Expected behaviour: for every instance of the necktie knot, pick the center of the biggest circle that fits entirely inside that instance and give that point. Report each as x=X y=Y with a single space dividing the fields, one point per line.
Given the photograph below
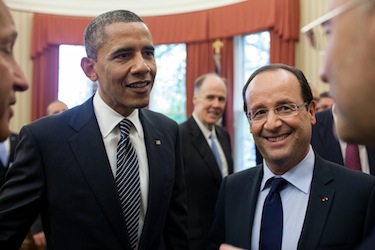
x=277 y=184
x=125 y=126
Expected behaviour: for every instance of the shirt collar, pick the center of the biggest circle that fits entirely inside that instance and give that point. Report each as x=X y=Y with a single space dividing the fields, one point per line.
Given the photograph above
x=108 y=119
x=206 y=132
x=300 y=176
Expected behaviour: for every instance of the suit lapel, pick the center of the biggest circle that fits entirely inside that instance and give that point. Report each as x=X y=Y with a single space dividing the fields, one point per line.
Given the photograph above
x=371 y=159
x=321 y=198
x=13 y=143
x=226 y=148
x=88 y=147
x=158 y=173
x=249 y=210
x=329 y=139
x=200 y=143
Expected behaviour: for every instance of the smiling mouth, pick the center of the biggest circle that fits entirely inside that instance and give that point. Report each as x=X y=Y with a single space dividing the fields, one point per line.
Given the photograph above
x=139 y=84
x=276 y=139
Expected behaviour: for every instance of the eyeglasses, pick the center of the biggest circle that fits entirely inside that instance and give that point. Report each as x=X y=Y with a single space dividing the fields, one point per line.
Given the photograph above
x=314 y=31
x=283 y=111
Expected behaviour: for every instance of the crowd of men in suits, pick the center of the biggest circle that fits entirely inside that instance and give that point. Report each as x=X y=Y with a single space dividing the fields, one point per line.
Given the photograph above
x=180 y=191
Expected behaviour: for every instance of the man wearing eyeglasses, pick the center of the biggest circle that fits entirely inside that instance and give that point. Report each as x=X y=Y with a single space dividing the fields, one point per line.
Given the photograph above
x=348 y=32
x=318 y=204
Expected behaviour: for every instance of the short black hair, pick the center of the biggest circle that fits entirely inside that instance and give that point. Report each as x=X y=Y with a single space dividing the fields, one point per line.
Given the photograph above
x=305 y=87
x=94 y=36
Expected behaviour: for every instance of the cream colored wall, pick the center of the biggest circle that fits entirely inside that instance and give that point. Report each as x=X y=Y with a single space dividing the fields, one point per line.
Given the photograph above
x=22 y=48
x=307 y=59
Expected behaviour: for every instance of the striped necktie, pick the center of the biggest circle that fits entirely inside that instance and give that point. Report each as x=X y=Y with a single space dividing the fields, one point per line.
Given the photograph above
x=127 y=181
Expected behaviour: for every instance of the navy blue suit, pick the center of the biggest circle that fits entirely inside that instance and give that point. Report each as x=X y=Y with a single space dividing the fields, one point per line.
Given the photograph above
x=61 y=169
x=339 y=222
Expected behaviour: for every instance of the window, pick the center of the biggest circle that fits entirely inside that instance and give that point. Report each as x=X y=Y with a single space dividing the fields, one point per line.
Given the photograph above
x=251 y=52
x=169 y=92
x=74 y=86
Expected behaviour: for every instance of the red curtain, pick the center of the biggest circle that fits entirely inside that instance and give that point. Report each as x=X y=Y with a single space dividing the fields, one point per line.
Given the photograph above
x=197 y=29
x=49 y=31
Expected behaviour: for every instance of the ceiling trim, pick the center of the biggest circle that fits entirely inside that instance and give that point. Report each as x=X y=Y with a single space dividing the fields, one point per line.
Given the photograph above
x=96 y=7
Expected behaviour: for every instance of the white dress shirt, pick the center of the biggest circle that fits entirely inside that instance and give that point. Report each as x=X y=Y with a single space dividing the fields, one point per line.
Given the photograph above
x=294 y=198
x=108 y=121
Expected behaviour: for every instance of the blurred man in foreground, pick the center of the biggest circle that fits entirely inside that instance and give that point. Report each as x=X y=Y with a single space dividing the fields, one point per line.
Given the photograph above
x=12 y=78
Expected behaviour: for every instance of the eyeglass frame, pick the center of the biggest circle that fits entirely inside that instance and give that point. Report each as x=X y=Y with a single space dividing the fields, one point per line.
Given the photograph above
x=330 y=15
x=295 y=112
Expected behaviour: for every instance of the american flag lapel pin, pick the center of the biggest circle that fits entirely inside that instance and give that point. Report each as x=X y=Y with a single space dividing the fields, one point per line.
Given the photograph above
x=324 y=199
x=158 y=142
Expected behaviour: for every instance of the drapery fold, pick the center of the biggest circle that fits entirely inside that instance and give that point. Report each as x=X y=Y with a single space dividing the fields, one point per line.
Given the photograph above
x=197 y=29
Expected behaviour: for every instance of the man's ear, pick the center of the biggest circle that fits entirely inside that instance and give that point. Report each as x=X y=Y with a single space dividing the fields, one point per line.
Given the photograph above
x=312 y=108
x=87 y=64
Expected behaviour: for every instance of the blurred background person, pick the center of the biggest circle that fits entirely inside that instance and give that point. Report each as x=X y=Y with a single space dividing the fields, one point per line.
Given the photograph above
x=325 y=101
x=56 y=107
x=207 y=155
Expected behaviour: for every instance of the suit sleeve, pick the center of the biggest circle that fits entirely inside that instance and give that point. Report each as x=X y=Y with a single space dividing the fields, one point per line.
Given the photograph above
x=175 y=234
x=37 y=226
x=217 y=233
x=21 y=194
x=370 y=214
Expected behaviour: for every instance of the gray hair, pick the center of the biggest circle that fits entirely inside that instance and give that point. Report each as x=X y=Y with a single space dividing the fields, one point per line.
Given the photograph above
x=199 y=81
x=95 y=37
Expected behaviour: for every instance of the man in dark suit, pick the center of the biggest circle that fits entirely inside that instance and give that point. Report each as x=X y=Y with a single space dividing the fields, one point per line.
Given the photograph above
x=325 y=142
x=203 y=173
x=36 y=230
x=9 y=145
x=322 y=205
x=67 y=165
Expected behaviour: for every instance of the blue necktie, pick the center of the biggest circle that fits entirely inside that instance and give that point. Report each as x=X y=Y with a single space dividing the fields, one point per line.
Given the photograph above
x=215 y=151
x=3 y=155
x=271 y=230
x=127 y=181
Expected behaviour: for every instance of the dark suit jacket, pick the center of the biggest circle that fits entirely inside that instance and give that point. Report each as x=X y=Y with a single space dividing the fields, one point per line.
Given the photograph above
x=13 y=139
x=326 y=144
x=202 y=177
x=61 y=169
x=339 y=223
